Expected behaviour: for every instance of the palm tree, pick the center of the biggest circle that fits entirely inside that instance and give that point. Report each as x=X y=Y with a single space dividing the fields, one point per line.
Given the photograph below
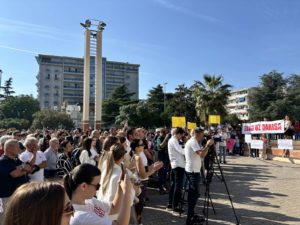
x=211 y=97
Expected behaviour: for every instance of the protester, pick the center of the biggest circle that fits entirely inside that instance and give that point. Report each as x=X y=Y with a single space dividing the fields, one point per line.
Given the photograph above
x=108 y=142
x=95 y=135
x=89 y=153
x=176 y=154
x=43 y=203
x=162 y=148
x=112 y=176
x=12 y=172
x=81 y=186
x=34 y=158
x=3 y=139
x=137 y=147
x=222 y=145
x=65 y=161
x=194 y=151
x=51 y=155
x=288 y=134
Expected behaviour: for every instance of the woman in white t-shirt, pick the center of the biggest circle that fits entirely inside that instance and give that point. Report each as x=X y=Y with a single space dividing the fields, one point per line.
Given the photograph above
x=89 y=153
x=112 y=175
x=137 y=148
x=81 y=186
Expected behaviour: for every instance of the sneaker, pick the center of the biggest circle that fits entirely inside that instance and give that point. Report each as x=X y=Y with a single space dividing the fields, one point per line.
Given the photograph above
x=177 y=211
x=169 y=207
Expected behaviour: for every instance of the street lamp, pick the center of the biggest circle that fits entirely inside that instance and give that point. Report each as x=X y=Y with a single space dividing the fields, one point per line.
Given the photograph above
x=165 y=89
x=0 y=79
x=93 y=30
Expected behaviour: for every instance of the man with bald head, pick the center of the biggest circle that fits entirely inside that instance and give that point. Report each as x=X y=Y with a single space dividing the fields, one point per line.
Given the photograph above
x=12 y=172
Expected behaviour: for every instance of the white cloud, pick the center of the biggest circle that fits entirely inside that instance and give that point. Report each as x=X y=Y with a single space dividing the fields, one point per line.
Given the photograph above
x=19 y=49
x=24 y=28
x=186 y=11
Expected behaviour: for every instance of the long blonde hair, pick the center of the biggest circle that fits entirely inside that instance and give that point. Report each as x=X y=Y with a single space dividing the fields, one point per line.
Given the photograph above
x=116 y=152
x=108 y=142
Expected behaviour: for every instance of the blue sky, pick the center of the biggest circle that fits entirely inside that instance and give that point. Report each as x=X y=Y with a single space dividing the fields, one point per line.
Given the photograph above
x=174 y=41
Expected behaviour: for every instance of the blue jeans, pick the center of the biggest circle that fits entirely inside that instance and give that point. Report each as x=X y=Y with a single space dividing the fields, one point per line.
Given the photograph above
x=176 y=186
x=193 y=193
x=222 y=153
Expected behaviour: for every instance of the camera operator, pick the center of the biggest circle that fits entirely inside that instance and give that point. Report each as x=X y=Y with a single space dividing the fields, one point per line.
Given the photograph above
x=194 y=151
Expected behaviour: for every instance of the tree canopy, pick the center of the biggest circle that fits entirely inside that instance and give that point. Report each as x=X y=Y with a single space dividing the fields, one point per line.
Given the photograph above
x=52 y=119
x=211 y=97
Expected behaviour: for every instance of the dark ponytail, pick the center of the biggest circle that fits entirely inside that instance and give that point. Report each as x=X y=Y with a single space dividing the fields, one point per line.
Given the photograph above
x=83 y=173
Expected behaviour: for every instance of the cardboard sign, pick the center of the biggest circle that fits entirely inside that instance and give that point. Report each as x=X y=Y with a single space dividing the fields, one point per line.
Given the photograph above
x=248 y=138
x=285 y=144
x=214 y=119
x=191 y=125
x=178 y=121
x=257 y=144
x=264 y=127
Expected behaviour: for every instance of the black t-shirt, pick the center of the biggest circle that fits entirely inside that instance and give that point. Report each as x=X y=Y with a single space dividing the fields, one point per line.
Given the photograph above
x=8 y=183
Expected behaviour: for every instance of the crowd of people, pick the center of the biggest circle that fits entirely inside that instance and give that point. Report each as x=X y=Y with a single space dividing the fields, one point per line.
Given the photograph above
x=101 y=177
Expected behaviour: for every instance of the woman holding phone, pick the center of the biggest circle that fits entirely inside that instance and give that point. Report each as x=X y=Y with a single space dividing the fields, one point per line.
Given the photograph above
x=81 y=186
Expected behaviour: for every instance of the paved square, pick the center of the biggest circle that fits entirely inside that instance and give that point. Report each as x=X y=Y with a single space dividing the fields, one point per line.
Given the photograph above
x=263 y=192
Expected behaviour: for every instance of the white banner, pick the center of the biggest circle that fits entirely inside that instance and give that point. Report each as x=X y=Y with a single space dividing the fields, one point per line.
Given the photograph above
x=248 y=138
x=285 y=144
x=264 y=127
x=257 y=144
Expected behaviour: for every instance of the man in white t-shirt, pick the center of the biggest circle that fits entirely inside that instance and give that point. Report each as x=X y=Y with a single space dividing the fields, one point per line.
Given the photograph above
x=35 y=158
x=194 y=151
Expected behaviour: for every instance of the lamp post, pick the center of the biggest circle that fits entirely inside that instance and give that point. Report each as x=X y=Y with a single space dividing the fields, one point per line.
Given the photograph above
x=96 y=34
x=98 y=77
x=0 y=79
x=86 y=76
x=165 y=89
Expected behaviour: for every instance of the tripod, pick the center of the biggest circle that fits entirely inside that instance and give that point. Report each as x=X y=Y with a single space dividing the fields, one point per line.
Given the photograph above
x=210 y=172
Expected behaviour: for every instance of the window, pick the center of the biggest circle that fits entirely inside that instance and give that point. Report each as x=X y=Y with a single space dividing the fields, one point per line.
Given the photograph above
x=55 y=77
x=48 y=76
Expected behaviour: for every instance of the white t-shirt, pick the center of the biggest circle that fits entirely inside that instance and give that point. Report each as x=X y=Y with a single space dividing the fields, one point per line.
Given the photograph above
x=94 y=212
x=224 y=138
x=112 y=188
x=193 y=160
x=85 y=158
x=176 y=153
x=40 y=157
x=144 y=159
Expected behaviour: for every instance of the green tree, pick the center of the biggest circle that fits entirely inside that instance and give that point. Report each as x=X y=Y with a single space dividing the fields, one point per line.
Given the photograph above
x=156 y=98
x=293 y=96
x=52 y=119
x=21 y=107
x=7 y=88
x=111 y=106
x=181 y=103
x=211 y=97
x=14 y=123
x=231 y=119
x=269 y=99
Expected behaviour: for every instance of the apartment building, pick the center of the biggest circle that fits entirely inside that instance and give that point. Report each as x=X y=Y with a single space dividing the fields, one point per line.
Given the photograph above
x=60 y=80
